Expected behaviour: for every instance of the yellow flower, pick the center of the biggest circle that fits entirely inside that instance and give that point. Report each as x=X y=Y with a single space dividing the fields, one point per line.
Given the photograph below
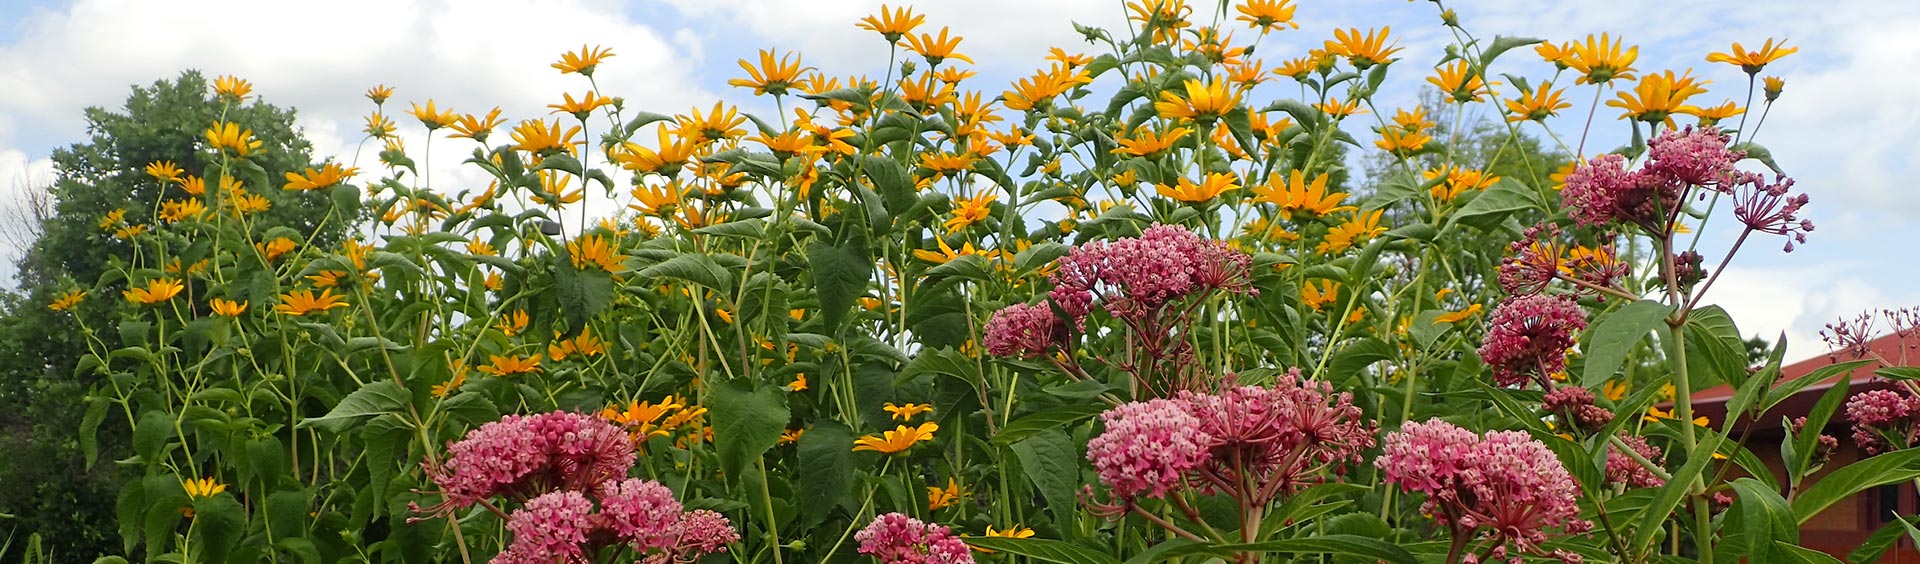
x=580 y=108
x=1601 y=60
x=907 y=412
x=228 y=308
x=946 y=252
x=1542 y=103
x=584 y=61
x=113 y=218
x=67 y=300
x=1294 y=193
x=970 y=210
x=1317 y=297
x=1714 y=114
x=478 y=247
x=658 y=200
x=329 y=175
x=790 y=436
x=431 y=117
x=598 y=251
x=509 y=365
x=535 y=136
x=157 y=290
x=204 y=487
x=477 y=128
x=897 y=440
x=799 y=383
x=892 y=25
x=1204 y=101
x=303 y=302
x=1269 y=15
x=1459 y=82
x=783 y=144
x=1561 y=55
x=227 y=136
x=672 y=155
x=1614 y=390
x=1070 y=60
x=1415 y=120
x=493 y=282
x=380 y=93
x=164 y=171
x=1015 y=532
x=1146 y=142
x=454 y=382
x=273 y=249
x=1402 y=143
x=1458 y=316
x=512 y=323
x=936 y=50
x=1187 y=191
x=553 y=189
x=1655 y=414
x=1345 y=235
x=1164 y=18
x=1773 y=86
x=939 y=498
x=772 y=76
x=1753 y=61
x=175 y=211
x=379 y=126
x=1658 y=96
x=246 y=203
x=1456 y=181
x=943 y=163
x=1334 y=107
x=1363 y=50
x=130 y=231
x=721 y=123
x=234 y=87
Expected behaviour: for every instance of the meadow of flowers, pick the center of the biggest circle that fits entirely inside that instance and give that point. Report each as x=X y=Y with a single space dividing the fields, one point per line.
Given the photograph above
x=917 y=318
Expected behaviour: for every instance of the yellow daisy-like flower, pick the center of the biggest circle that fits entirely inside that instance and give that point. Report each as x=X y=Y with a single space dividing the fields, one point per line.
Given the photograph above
x=790 y=436
x=1269 y=15
x=1188 y=191
x=1560 y=54
x=157 y=290
x=658 y=200
x=431 y=117
x=1203 y=101
x=773 y=76
x=454 y=382
x=1363 y=50
x=970 y=210
x=129 y=231
x=1146 y=142
x=583 y=62
x=228 y=308
x=1334 y=107
x=1601 y=59
x=1456 y=181
x=475 y=127
x=1317 y=297
x=1458 y=316
x=164 y=171
x=892 y=25
x=907 y=412
x=1162 y=18
x=538 y=137
x=597 y=251
x=943 y=163
x=799 y=383
x=378 y=126
x=1402 y=143
x=673 y=154
x=1459 y=82
x=1542 y=103
x=1614 y=390
x=1360 y=228
x=946 y=253
x=329 y=175
x=113 y=218
x=204 y=487
x=721 y=123
x=1714 y=114
x=1294 y=193
x=68 y=300
x=898 y=440
x=229 y=137
x=175 y=211
x=1772 y=86
x=936 y=49
x=303 y=302
x=939 y=498
x=237 y=89
x=246 y=203
x=1657 y=97
x=581 y=108
x=1655 y=414
x=379 y=94
x=1753 y=61
x=272 y=250
x=509 y=365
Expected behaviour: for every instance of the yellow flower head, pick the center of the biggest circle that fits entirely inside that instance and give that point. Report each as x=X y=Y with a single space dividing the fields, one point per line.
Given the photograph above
x=892 y=25
x=1294 y=193
x=581 y=108
x=936 y=49
x=378 y=126
x=475 y=127
x=1268 y=15
x=799 y=383
x=379 y=94
x=175 y=211
x=508 y=365
x=164 y=171
x=1360 y=228
x=67 y=300
x=454 y=382
x=538 y=137
x=1753 y=61
x=1614 y=390
x=431 y=117
x=907 y=412
x=1773 y=86
x=898 y=440
x=1334 y=107
x=227 y=136
x=597 y=251
x=1459 y=82
x=204 y=487
x=1188 y=191
x=1162 y=19
x=790 y=436
x=329 y=175
x=939 y=498
x=1362 y=50
x=1147 y=143
x=1602 y=59
x=1458 y=316
x=236 y=89
x=1657 y=97
x=1711 y=115
x=1455 y=181
x=1402 y=143
x=1560 y=54
x=773 y=76
x=721 y=123
x=1203 y=102
x=228 y=308
x=1542 y=103
x=970 y=210
x=1317 y=297
x=583 y=62
x=303 y=302
x=157 y=290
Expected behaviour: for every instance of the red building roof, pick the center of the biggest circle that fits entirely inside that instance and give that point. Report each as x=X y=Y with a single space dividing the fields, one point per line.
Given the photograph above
x=1712 y=402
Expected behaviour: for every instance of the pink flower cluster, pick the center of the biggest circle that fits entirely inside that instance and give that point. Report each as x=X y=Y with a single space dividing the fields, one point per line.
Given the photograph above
x=1505 y=482
x=1528 y=338
x=1022 y=330
x=1603 y=191
x=1574 y=405
x=1769 y=208
x=570 y=473
x=1135 y=277
x=1623 y=469
x=898 y=539
x=1884 y=420
x=1252 y=441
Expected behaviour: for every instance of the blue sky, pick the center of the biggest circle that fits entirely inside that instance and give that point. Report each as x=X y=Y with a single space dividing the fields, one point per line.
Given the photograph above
x=1848 y=127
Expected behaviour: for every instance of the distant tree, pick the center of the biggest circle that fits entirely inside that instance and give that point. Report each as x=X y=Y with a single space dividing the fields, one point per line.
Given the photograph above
x=45 y=481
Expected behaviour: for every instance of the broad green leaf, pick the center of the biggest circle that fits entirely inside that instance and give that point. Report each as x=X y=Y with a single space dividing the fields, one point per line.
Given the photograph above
x=840 y=274
x=1614 y=335
x=1502 y=44
x=1817 y=418
x=696 y=268
x=381 y=396
x=1890 y=468
x=1877 y=544
x=1061 y=417
x=1803 y=555
x=151 y=434
x=1051 y=461
x=90 y=429
x=1044 y=550
x=746 y=422
x=825 y=453
x=1490 y=207
x=1766 y=516
x=219 y=522
x=1357 y=356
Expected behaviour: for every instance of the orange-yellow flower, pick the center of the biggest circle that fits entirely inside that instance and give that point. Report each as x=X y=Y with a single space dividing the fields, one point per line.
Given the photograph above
x=659 y=200
x=1753 y=61
x=1455 y=181
x=773 y=75
x=1657 y=97
x=379 y=126
x=1317 y=297
x=1772 y=86
x=1363 y=50
x=897 y=440
x=303 y=302
x=892 y=25
x=936 y=50
x=970 y=210
x=157 y=290
x=721 y=123
x=329 y=175
x=164 y=171
x=237 y=89
x=946 y=252
x=227 y=136
x=431 y=117
x=1188 y=191
x=1402 y=143
x=1714 y=114
x=228 y=308
x=1146 y=142
x=1343 y=236
x=1269 y=15
x=584 y=61
x=175 y=211
x=67 y=300
x=475 y=127
x=597 y=251
x=1458 y=316
x=380 y=93
x=1459 y=82
x=1601 y=59
x=672 y=155
x=508 y=365
x=204 y=487
x=1542 y=103
x=581 y=108
x=1203 y=102
x=535 y=136
x=939 y=498
x=907 y=412
x=1163 y=19
x=1334 y=107
x=1294 y=193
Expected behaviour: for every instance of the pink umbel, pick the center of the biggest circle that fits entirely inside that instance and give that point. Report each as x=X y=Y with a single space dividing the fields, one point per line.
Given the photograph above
x=1505 y=485
x=1879 y=416
x=898 y=539
x=1022 y=330
x=1148 y=447
x=1528 y=338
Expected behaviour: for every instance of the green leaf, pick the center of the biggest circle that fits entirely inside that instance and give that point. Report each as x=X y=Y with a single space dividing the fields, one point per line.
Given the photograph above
x=1490 y=207
x=1877 y=544
x=581 y=293
x=1817 y=418
x=151 y=434
x=1792 y=387
x=892 y=180
x=1502 y=44
x=1044 y=550
x=1356 y=356
x=1899 y=373
x=826 y=467
x=219 y=522
x=1051 y=461
x=840 y=274
x=696 y=268
x=90 y=429
x=1890 y=468
x=381 y=396
x=1062 y=417
x=1669 y=496
x=1758 y=153
x=746 y=422
x=1366 y=548
x=1766 y=516
x=1797 y=553
x=1614 y=335
x=754 y=228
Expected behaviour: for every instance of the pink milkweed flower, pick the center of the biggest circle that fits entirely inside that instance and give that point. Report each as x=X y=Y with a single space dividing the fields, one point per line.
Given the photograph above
x=1528 y=336
x=1623 y=469
x=1505 y=483
x=550 y=528
x=1693 y=156
x=1880 y=415
x=1023 y=330
x=521 y=456
x=1148 y=447
x=641 y=513
x=898 y=539
x=1285 y=437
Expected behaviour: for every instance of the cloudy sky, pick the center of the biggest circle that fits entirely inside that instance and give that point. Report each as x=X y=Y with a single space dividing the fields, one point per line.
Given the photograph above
x=1848 y=127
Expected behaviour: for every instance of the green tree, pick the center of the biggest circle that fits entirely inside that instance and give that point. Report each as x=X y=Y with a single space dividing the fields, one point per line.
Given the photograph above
x=57 y=482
